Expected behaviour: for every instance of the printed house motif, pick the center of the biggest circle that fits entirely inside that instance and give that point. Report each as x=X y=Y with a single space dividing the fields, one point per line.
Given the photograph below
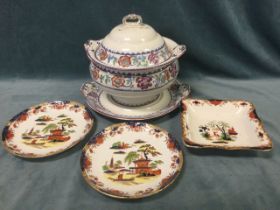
x=48 y=131
x=142 y=167
x=56 y=135
x=120 y=169
x=218 y=132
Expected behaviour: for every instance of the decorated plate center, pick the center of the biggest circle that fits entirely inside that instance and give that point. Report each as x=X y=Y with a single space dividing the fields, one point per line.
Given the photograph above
x=218 y=132
x=49 y=131
x=136 y=166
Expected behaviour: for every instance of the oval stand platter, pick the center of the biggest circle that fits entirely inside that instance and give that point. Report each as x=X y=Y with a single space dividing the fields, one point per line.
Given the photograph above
x=104 y=104
x=47 y=129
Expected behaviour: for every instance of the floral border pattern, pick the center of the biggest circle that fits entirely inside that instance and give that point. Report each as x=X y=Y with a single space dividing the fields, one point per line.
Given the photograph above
x=134 y=82
x=99 y=138
x=8 y=131
x=261 y=133
x=126 y=60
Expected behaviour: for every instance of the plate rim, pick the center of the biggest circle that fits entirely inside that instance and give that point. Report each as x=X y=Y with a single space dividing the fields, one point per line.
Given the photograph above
x=32 y=156
x=174 y=178
x=192 y=144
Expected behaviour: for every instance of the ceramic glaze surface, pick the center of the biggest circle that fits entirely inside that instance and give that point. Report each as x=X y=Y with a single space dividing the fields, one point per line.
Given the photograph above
x=223 y=124
x=135 y=82
x=133 y=36
x=132 y=45
x=134 y=88
x=104 y=104
x=133 y=63
x=127 y=59
x=131 y=160
x=47 y=129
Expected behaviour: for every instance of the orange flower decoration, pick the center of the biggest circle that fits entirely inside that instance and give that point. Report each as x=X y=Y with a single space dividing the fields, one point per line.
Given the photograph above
x=136 y=128
x=23 y=117
x=86 y=116
x=215 y=102
x=118 y=81
x=99 y=139
x=253 y=115
x=171 y=144
x=124 y=61
x=87 y=163
x=9 y=134
x=95 y=73
x=102 y=54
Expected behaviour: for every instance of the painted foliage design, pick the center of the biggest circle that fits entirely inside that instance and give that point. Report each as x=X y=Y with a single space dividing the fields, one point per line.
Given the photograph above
x=134 y=165
x=218 y=132
x=49 y=131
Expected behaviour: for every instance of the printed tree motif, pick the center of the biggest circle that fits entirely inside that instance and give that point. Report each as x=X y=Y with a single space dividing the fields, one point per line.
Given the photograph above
x=49 y=127
x=147 y=149
x=143 y=165
x=116 y=144
x=62 y=116
x=105 y=167
x=130 y=157
x=221 y=126
x=119 y=145
x=43 y=118
x=66 y=122
x=118 y=164
x=218 y=130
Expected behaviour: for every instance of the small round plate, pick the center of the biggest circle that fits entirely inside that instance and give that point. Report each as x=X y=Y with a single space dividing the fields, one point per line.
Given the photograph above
x=131 y=160
x=103 y=103
x=47 y=129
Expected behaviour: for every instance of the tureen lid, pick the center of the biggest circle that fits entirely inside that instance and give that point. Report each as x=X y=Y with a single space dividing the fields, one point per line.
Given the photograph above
x=133 y=36
x=132 y=45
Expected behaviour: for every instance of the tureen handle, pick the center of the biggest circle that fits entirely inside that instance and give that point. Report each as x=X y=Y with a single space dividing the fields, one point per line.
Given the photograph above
x=132 y=19
x=184 y=90
x=87 y=89
x=178 y=51
x=91 y=45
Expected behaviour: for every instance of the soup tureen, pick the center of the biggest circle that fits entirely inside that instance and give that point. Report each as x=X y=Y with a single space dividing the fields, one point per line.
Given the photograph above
x=133 y=63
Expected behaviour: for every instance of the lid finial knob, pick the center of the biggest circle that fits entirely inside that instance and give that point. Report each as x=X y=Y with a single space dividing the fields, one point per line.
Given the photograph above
x=132 y=19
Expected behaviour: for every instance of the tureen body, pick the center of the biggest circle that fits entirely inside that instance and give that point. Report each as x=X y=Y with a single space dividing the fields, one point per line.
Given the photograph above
x=133 y=63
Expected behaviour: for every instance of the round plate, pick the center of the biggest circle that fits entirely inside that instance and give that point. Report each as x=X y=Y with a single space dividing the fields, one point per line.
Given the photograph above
x=104 y=104
x=47 y=129
x=131 y=160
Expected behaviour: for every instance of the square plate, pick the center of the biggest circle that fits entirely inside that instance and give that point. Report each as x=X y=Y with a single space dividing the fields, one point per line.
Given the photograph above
x=223 y=124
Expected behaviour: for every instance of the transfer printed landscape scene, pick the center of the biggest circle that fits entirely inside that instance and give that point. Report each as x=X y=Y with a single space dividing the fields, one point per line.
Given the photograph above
x=136 y=166
x=218 y=132
x=49 y=131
